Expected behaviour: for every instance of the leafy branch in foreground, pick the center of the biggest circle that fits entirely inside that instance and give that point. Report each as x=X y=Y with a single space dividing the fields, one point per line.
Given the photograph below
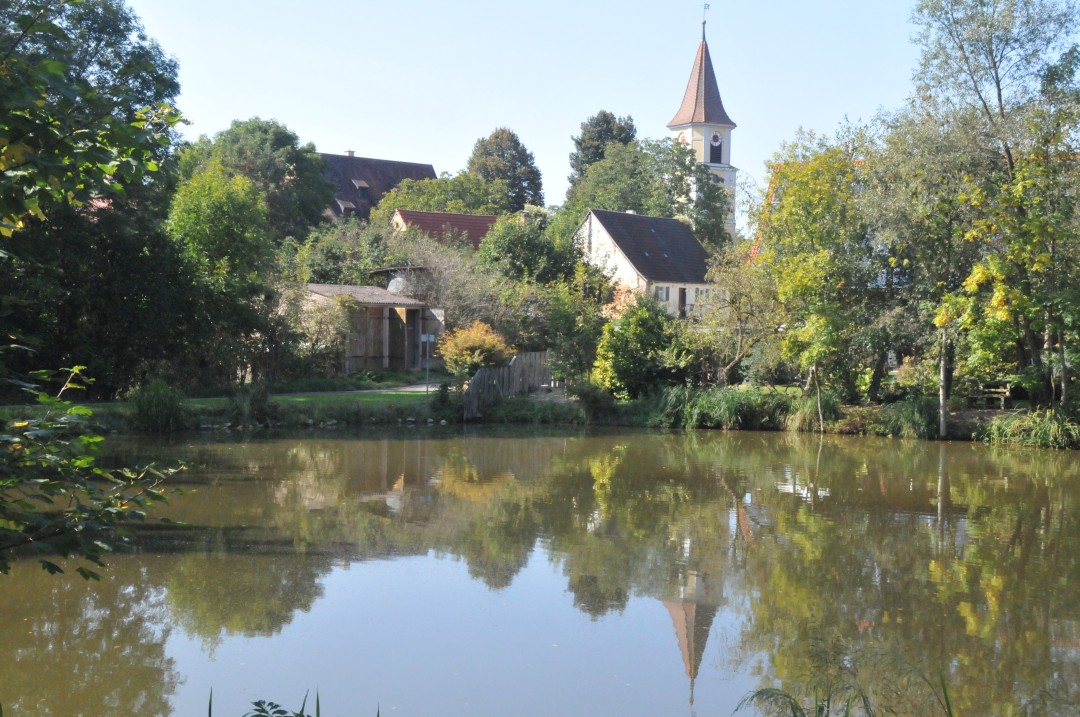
x=54 y=499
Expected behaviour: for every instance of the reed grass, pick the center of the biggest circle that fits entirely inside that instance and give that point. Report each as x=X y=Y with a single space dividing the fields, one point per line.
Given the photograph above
x=1047 y=428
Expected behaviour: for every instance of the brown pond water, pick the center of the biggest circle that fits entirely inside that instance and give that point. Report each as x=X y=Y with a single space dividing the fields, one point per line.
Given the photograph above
x=600 y=574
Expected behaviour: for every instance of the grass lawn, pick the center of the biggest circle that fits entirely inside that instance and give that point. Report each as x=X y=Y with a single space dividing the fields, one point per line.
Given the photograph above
x=372 y=399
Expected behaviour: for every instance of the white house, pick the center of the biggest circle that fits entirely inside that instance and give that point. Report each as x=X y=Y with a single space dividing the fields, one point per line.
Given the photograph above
x=653 y=255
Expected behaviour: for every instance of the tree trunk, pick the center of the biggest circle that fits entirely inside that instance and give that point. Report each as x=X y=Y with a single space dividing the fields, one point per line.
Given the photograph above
x=1064 y=368
x=817 y=386
x=943 y=387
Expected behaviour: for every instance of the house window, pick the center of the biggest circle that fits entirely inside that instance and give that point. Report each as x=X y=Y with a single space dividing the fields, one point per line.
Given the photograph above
x=661 y=293
x=700 y=294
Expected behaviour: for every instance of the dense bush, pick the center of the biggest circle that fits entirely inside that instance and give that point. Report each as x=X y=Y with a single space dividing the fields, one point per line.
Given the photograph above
x=473 y=347
x=250 y=403
x=727 y=408
x=157 y=407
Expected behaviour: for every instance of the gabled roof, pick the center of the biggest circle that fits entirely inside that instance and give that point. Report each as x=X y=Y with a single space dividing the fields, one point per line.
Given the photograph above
x=360 y=182
x=661 y=250
x=438 y=224
x=701 y=103
x=365 y=295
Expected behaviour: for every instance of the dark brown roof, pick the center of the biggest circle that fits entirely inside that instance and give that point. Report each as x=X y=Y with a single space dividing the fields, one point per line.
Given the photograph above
x=366 y=295
x=660 y=249
x=438 y=224
x=701 y=103
x=360 y=182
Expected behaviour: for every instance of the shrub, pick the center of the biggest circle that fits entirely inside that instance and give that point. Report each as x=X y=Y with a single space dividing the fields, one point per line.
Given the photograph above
x=913 y=417
x=473 y=347
x=595 y=402
x=250 y=403
x=727 y=408
x=804 y=411
x=1037 y=429
x=156 y=407
x=446 y=405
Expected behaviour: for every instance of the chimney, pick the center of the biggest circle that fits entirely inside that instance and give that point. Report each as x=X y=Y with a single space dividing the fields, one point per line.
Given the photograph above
x=350 y=153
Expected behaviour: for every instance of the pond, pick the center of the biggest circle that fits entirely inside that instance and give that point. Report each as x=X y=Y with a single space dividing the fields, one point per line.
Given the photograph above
x=621 y=573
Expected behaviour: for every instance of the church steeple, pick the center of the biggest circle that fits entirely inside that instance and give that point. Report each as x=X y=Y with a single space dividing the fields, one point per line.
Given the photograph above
x=703 y=124
x=701 y=102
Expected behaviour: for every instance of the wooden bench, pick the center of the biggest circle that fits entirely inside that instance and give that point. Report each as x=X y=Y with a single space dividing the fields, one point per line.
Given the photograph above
x=992 y=395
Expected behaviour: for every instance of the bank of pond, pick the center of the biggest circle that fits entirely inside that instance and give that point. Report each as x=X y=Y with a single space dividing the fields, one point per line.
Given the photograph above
x=160 y=409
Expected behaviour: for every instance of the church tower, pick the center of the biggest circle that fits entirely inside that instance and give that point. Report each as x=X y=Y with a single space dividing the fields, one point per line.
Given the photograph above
x=702 y=123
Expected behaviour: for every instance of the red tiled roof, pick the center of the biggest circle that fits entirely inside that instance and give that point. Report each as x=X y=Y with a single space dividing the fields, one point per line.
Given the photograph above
x=438 y=224
x=701 y=103
x=365 y=295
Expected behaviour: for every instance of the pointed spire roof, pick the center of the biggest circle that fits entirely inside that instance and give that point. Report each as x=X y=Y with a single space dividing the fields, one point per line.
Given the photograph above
x=701 y=104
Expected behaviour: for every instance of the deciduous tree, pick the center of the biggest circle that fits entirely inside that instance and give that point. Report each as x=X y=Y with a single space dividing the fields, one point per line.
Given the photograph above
x=462 y=193
x=501 y=155
x=597 y=133
x=290 y=175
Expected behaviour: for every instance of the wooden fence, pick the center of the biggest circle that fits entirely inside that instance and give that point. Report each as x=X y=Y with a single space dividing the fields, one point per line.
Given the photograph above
x=526 y=373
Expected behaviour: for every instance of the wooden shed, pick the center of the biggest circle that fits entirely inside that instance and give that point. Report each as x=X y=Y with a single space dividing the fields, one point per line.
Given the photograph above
x=387 y=330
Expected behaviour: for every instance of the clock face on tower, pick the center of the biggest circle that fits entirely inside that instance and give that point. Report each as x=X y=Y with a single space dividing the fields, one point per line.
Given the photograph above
x=715 y=139
x=682 y=137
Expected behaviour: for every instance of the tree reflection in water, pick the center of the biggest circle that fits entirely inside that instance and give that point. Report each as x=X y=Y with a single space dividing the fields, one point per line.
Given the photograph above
x=845 y=564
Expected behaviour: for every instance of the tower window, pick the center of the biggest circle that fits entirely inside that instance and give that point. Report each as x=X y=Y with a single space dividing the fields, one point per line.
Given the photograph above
x=716 y=150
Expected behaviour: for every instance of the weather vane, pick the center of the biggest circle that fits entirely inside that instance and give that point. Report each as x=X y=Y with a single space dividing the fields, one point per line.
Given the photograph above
x=703 y=11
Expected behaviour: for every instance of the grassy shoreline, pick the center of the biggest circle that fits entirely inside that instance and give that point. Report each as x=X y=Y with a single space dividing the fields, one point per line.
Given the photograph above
x=743 y=408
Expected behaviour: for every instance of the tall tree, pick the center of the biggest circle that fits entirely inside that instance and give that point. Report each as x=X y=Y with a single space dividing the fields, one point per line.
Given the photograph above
x=86 y=115
x=291 y=176
x=597 y=133
x=220 y=221
x=1003 y=60
x=918 y=173
x=501 y=155
x=832 y=276
x=76 y=123
x=64 y=140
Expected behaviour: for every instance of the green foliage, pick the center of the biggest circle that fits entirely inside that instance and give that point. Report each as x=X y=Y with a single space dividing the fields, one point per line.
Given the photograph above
x=1048 y=428
x=462 y=193
x=249 y=403
x=54 y=499
x=220 y=222
x=528 y=410
x=654 y=178
x=290 y=177
x=344 y=252
x=804 y=414
x=632 y=357
x=597 y=133
x=734 y=408
x=473 y=347
x=502 y=156
x=76 y=124
x=519 y=247
x=447 y=405
x=596 y=403
x=912 y=417
x=157 y=407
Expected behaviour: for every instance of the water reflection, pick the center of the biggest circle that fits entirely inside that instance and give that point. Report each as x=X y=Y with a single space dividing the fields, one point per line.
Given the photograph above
x=878 y=563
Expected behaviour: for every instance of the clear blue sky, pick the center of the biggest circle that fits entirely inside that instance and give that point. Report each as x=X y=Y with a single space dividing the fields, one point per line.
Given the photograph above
x=421 y=81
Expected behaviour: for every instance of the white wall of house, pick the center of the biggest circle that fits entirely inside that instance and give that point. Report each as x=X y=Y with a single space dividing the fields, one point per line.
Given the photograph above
x=601 y=251
x=668 y=295
x=604 y=253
